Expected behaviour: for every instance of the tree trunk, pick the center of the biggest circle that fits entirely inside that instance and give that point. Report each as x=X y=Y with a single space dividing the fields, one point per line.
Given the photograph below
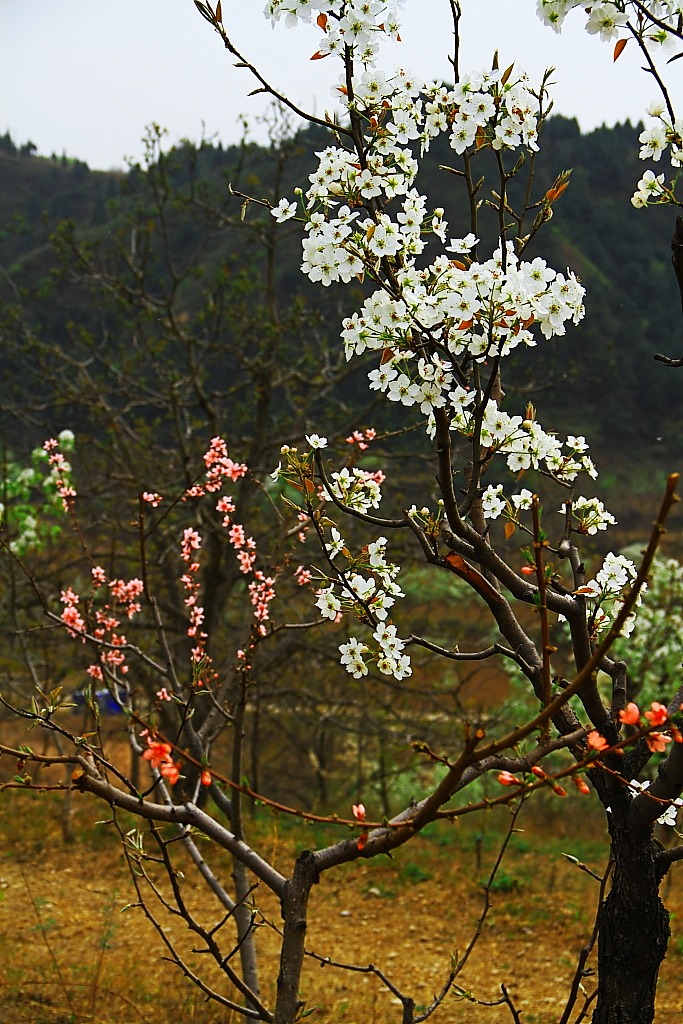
x=295 y=915
x=634 y=931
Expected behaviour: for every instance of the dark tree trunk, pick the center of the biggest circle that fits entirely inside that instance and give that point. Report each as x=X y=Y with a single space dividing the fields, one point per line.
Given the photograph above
x=634 y=930
x=295 y=916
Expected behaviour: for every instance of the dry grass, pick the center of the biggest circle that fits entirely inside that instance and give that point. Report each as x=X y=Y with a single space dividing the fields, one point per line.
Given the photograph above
x=68 y=955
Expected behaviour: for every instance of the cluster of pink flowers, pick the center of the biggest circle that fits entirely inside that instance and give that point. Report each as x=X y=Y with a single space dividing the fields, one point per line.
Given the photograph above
x=302 y=575
x=190 y=543
x=71 y=617
x=152 y=498
x=361 y=438
x=105 y=628
x=219 y=466
x=127 y=593
x=304 y=520
x=378 y=477
x=61 y=469
x=245 y=547
x=261 y=593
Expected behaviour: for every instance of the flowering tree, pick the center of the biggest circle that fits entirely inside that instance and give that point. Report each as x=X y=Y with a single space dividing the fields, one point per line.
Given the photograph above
x=439 y=322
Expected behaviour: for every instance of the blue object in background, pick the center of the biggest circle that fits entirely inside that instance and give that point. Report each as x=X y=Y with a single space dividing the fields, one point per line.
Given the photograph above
x=105 y=702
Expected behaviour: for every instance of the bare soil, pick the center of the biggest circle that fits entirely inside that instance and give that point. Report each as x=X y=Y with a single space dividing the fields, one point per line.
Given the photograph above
x=68 y=955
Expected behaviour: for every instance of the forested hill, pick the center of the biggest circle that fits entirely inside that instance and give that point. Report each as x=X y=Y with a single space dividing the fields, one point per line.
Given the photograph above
x=600 y=380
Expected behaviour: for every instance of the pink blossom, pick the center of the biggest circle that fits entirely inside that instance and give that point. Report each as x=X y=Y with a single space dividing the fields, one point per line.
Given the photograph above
x=191 y=542
x=303 y=576
x=246 y=560
x=99 y=577
x=236 y=535
x=152 y=498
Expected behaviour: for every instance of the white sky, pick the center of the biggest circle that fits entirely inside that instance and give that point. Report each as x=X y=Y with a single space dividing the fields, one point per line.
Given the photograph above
x=87 y=76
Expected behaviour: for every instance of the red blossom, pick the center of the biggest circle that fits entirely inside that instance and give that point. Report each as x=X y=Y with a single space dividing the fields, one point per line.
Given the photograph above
x=658 y=714
x=630 y=715
x=157 y=753
x=595 y=741
x=170 y=771
x=657 y=742
x=508 y=779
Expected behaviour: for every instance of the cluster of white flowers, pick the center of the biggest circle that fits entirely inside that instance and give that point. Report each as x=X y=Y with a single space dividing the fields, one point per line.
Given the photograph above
x=591 y=515
x=525 y=445
x=389 y=656
x=605 y=592
x=373 y=588
x=650 y=190
x=357 y=23
x=670 y=814
x=657 y=26
x=356 y=488
x=377 y=591
x=606 y=17
x=363 y=216
x=483 y=310
x=661 y=133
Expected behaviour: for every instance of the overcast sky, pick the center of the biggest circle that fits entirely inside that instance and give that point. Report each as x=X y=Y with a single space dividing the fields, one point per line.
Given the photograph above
x=86 y=76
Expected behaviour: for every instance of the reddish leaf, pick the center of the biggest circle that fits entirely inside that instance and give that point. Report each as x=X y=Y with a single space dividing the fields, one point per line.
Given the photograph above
x=319 y=56
x=509 y=530
x=219 y=13
x=387 y=354
x=506 y=74
x=322 y=21
x=619 y=47
x=554 y=193
x=472 y=576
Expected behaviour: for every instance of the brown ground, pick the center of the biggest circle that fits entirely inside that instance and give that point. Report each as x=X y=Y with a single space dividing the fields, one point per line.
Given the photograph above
x=69 y=956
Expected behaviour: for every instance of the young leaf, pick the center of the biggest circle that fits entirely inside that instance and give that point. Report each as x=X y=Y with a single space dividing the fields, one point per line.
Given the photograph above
x=619 y=47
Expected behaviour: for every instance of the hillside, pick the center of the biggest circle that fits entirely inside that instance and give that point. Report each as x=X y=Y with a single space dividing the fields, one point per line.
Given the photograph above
x=600 y=379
